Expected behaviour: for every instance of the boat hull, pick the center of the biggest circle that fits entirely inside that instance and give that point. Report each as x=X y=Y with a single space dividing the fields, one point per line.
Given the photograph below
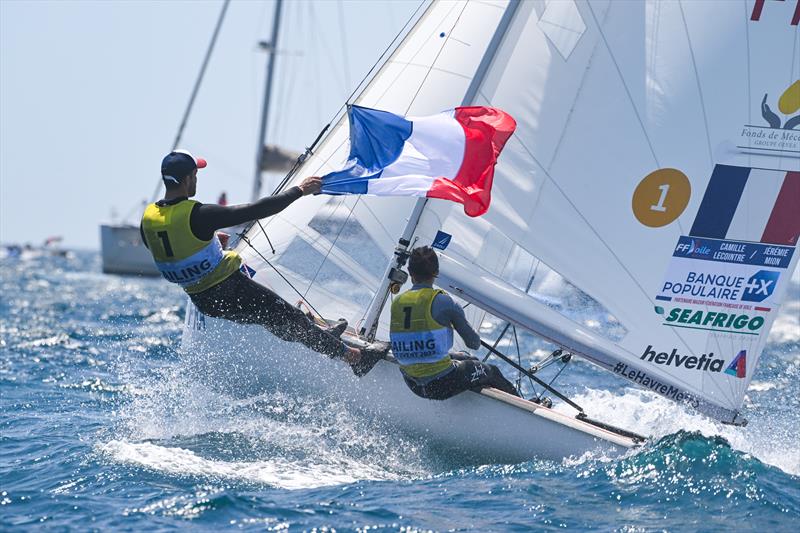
x=123 y=252
x=490 y=426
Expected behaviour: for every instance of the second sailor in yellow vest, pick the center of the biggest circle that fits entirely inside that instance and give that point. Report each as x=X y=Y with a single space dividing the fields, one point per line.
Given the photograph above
x=421 y=331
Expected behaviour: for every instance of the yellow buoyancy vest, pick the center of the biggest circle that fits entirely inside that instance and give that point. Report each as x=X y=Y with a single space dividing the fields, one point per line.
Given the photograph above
x=419 y=343
x=182 y=258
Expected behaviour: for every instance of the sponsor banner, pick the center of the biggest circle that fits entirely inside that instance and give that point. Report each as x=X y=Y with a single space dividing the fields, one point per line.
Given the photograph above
x=772 y=141
x=442 y=240
x=775 y=133
x=734 y=286
x=647 y=381
x=677 y=363
x=677 y=394
x=738 y=367
x=736 y=252
x=707 y=362
x=717 y=320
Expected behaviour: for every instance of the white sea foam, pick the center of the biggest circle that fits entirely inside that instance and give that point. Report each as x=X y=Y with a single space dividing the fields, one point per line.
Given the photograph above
x=180 y=427
x=651 y=415
x=786 y=327
x=277 y=472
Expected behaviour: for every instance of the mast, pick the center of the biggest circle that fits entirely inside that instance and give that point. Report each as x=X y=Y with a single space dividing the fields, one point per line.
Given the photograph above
x=401 y=251
x=270 y=47
x=196 y=88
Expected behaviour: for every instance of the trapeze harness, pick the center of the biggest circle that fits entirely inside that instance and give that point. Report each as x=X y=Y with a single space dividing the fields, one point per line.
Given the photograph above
x=182 y=258
x=419 y=343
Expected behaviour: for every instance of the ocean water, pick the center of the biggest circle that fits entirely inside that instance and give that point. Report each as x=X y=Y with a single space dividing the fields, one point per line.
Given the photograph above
x=102 y=428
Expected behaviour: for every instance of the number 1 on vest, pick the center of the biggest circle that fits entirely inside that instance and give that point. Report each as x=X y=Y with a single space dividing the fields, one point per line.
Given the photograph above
x=407 y=317
x=165 y=241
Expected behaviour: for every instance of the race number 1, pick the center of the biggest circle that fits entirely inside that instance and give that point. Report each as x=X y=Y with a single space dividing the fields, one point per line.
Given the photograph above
x=661 y=197
x=660 y=206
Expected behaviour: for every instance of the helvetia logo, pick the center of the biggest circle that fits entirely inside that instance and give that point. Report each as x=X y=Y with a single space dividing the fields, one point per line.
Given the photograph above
x=738 y=366
x=706 y=362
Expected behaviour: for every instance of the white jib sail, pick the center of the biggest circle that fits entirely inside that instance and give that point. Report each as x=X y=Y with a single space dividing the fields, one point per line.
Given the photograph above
x=334 y=249
x=655 y=166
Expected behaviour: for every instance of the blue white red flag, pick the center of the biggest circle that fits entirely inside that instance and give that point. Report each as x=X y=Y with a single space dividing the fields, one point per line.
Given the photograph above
x=449 y=156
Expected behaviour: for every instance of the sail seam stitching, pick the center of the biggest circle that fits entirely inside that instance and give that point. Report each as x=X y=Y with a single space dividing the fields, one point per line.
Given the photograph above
x=697 y=81
x=435 y=59
x=624 y=84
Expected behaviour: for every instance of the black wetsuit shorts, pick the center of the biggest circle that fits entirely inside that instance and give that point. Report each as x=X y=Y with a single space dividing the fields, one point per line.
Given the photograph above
x=468 y=374
x=240 y=299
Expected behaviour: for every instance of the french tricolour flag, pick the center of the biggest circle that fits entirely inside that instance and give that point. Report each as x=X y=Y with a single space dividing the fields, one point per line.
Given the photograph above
x=450 y=155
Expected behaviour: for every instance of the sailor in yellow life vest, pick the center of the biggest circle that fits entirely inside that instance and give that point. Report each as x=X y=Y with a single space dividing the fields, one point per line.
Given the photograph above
x=421 y=333
x=180 y=234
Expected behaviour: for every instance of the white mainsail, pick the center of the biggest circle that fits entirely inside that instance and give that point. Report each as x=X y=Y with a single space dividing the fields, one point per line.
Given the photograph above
x=606 y=94
x=652 y=168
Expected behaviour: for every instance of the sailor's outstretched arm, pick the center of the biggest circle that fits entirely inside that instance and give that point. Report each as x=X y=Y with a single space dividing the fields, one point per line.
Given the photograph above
x=446 y=311
x=208 y=218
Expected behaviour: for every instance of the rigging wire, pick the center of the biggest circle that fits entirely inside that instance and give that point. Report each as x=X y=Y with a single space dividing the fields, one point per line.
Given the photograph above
x=314 y=54
x=243 y=237
x=327 y=49
x=497 y=341
x=286 y=76
x=303 y=157
x=379 y=61
x=333 y=243
x=309 y=151
x=519 y=360
x=508 y=324
x=327 y=126
x=565 y=359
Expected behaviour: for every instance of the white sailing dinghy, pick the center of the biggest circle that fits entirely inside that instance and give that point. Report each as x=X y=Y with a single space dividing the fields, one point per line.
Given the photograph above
x=655 y=166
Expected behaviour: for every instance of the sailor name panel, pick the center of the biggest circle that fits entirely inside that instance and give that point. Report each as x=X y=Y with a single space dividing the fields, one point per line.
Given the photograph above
x=723 y=276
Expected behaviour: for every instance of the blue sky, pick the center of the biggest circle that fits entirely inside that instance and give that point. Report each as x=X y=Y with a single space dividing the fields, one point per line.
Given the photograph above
x=92 y=93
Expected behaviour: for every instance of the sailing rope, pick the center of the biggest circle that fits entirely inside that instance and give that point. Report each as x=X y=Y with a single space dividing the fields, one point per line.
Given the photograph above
x=531 y=276
x=519 y=361
x=333 y=244
x=566 y=359
x=497 y=341
x=265 y=235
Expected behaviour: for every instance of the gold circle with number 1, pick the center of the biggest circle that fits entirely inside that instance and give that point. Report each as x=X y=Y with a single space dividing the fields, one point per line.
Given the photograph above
x=661 y=197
